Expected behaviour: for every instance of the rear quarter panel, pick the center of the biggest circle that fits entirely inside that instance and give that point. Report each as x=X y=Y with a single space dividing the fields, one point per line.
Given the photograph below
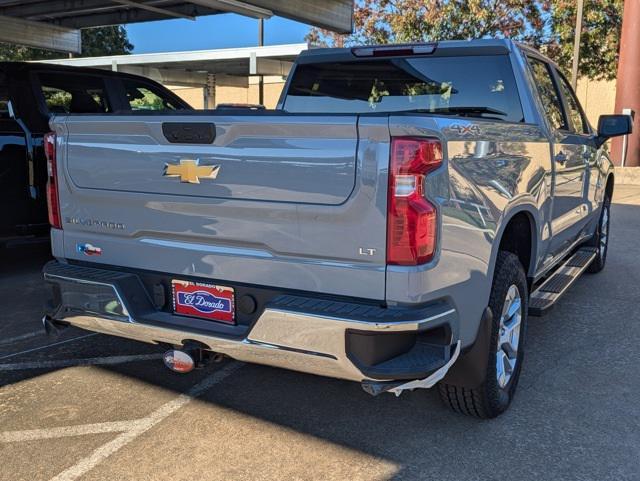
x=491 y=171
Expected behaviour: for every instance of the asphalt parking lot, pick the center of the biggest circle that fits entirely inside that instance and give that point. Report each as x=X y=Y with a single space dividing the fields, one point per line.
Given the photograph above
x=90 y=407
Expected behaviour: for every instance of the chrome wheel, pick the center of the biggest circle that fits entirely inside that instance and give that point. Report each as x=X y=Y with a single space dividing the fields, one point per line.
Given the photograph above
x=508 y=336
x=604 y=231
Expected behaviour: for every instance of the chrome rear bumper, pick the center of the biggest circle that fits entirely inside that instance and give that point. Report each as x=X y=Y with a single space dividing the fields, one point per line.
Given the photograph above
x=314 y=343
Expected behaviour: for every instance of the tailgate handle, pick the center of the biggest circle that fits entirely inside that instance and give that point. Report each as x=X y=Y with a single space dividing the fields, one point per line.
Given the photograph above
x=189 y=132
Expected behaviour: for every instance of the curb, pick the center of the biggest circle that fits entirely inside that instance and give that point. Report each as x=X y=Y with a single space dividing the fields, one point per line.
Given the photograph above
x=627 y=175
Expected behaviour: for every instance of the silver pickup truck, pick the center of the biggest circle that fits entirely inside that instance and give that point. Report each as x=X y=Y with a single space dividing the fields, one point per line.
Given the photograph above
x=392 y=222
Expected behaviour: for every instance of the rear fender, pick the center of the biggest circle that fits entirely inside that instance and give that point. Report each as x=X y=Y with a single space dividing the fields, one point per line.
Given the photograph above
x=533 y=214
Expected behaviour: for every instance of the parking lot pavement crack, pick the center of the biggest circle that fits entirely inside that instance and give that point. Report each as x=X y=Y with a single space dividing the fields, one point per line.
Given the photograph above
x=140 y=426
x=39 y=348
x=92 y=361
x=11 y=340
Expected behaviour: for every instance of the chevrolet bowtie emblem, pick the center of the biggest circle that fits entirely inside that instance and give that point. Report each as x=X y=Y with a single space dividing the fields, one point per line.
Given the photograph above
x=189 y=171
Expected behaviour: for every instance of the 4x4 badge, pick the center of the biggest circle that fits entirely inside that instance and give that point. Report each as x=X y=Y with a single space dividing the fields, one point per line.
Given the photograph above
x=469 y=130
x=190 y=171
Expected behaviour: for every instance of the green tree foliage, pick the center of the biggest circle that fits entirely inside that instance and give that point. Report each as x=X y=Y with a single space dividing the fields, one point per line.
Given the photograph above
x=95 y=42
x=548 y=25
x=599 y=41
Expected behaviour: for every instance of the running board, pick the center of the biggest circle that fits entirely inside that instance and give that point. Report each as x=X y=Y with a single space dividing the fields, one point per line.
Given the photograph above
x=547 y=294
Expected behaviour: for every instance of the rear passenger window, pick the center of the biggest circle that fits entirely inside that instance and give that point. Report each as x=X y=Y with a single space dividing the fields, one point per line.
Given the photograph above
x=548 y=94
x=578 y=120
x=143 y=96
x=74 y=94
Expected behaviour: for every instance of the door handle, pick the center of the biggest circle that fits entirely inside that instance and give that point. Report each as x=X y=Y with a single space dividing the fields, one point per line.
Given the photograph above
x=561 y=158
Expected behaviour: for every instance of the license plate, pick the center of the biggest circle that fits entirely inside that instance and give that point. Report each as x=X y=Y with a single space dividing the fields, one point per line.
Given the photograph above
x=205 y=301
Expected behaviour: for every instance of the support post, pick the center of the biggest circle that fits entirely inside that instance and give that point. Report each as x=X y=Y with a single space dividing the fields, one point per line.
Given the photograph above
x=261 y=44
x=576 y=44
x=210 y=92
x=628 y=83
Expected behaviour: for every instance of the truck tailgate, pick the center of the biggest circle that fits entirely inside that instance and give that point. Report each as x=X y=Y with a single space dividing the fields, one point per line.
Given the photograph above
x=296 y=201
x=281 y=160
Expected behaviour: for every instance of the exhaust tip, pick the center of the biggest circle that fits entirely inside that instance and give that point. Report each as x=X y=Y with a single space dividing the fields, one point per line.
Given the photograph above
x=179 y=361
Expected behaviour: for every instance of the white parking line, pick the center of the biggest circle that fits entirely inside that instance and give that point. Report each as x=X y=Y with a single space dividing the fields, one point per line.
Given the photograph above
x=92 y=361
x=48 y=345
x=141 y=426
x=29 y=335
x=65 y=431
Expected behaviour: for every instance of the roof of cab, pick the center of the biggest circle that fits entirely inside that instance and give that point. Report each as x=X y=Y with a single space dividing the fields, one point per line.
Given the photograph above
x=442 y=48
x=15 y=67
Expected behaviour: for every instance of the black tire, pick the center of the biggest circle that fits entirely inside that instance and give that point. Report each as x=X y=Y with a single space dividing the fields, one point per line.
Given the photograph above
x=602 y=231
x=489 y=399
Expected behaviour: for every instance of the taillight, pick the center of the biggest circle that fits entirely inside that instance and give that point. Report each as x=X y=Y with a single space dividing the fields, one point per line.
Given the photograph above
x=412 y=225
x=52 y=182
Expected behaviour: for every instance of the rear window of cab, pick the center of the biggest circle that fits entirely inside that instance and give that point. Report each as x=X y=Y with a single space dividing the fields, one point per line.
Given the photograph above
x=429 y=84
x=78 y=93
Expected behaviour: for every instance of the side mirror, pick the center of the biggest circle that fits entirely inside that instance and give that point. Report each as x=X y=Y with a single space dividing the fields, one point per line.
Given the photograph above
x=613 y=126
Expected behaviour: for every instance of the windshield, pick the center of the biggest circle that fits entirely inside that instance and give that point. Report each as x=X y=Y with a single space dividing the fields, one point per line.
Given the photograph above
x=480 y=86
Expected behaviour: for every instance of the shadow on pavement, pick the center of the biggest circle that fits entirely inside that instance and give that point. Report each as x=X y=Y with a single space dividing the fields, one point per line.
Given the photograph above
x=569 y=420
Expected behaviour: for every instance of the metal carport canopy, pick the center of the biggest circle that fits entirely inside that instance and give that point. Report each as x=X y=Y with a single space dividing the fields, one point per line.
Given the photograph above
x=231 y=65
x=54 y=24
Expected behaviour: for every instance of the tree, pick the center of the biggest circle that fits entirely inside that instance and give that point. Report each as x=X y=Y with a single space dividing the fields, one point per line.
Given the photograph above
x=110 y=40
x=545 y=24
x=396 y=21
x=599 y=41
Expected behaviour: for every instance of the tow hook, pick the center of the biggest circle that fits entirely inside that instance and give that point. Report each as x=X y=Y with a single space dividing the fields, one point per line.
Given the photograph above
x=188 y=358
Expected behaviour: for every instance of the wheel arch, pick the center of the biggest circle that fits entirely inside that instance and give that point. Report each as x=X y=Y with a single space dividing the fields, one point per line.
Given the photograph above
x=518 y=233
x=609 y=185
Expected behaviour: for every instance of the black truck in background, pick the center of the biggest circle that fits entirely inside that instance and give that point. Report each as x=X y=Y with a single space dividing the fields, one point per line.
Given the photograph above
x=29 y=94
